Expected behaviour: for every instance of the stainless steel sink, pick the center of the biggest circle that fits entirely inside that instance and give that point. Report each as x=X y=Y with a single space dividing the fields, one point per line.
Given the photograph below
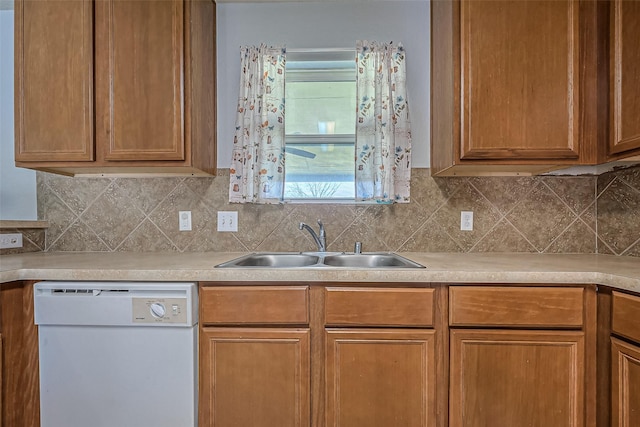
x=372 y=260
x=273 y=260
x=321 y=260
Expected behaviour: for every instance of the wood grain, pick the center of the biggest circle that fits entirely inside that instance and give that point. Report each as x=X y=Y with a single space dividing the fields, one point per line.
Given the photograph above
x=54 y=81
x=241 y=305
x=625 y=386
x=255 y=377
x=625 y=315
x=380 y=378
x=515 y=378
x=379 y=306
x=516 y=306
x=625 y=79
x=20 y=368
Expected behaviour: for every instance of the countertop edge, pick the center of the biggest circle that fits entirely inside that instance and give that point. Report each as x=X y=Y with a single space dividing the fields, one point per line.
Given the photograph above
x=622 y=273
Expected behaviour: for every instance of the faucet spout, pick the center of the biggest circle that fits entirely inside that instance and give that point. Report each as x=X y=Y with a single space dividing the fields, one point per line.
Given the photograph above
x=320 y=239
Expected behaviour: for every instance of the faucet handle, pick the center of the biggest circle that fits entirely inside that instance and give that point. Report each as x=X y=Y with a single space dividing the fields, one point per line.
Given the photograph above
x=321 y=228
x=357 y=248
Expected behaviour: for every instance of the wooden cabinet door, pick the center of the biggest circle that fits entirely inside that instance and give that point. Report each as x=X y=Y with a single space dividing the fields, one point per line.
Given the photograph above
x=140 y=79
x=625 y=78
x=517 y=378
x=520 y=79
x=54 y=80
x=380 y=378
x=254 y=377
x=625 y=387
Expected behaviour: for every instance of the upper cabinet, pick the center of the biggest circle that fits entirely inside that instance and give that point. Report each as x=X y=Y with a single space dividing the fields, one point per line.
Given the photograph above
x=115 y=86
x=624 y=89
x=514 y=86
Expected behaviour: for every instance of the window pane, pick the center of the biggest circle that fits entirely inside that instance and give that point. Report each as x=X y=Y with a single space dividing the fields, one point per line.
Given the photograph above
x=322 y=107
x=317 y=171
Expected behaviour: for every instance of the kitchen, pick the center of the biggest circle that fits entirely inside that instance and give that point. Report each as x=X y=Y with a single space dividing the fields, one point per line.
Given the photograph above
x=553 y=215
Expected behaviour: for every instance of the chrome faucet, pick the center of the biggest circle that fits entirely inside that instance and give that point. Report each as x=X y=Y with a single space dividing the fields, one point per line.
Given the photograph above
x=320 y=238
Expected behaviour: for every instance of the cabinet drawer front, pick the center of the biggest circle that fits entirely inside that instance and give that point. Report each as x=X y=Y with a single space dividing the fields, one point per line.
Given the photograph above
x=254 y=305
x=379 y=307
x=516 y=306
x=626 y=312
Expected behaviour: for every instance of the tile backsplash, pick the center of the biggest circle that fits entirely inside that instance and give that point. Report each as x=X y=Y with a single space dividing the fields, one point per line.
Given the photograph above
x=584 y=214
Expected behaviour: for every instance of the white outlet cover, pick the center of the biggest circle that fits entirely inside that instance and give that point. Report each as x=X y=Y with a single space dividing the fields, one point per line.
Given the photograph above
x=184 y=218
x=12 y=240
x=466 y=221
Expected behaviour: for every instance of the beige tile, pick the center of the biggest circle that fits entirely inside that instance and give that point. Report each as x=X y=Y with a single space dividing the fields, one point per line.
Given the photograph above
x=430 y=238
x=59 y=216
x=79 y=238
x=113 y=216
x=504 y=192
x=578 y=238
x=256 y=222
x=467 y=198
x=394 y=224
x=358 y=231
x=36 y=237
x=431 y=193
x=577 y=192
x=147 y=238
x=214 y=241
x=165 y=216
x=541 y=217
x=631 y=177
x=147 y=193
x=634 y=250
x=619 y=216
x=77 y=193
x=503 y=238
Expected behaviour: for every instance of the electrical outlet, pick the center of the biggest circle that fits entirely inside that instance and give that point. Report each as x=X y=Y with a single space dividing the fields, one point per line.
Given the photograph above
x=185 y=220
x=466 y=221
x=10 y=241
x=227 y=221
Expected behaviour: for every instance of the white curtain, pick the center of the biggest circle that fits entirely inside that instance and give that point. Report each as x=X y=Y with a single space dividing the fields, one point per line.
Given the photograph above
x=257 y=167
x=383 y=135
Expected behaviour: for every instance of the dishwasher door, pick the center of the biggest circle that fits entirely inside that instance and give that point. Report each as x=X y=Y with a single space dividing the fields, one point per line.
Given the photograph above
x=117 y=354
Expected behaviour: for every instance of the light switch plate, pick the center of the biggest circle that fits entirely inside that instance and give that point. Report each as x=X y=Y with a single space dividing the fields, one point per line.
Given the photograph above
x=13 y=240
x=227 y=221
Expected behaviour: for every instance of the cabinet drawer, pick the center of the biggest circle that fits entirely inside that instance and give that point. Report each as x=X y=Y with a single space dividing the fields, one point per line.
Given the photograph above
x=254 y=305
x=626 y=312
x=516 y=306
x=379 y=307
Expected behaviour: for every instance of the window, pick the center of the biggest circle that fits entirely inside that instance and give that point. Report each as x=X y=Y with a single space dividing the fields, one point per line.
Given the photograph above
x=320 y=95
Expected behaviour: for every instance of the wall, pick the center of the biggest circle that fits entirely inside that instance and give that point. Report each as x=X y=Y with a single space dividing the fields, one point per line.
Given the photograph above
x=619 y=212
x=17 y=186
x=324 y=25
x=524 y=214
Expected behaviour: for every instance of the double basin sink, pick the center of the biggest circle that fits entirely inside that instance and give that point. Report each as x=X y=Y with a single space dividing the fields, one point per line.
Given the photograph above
x=321 y=259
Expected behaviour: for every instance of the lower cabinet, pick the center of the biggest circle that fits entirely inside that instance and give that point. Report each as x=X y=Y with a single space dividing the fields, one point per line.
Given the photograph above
x=254 y=356
x=383 y=377
x=19 y=373
x=517 y=378
x=380 y=378
x=389 y=355
x=254 y=377
x=625 y=360
x=625 y=384
x=518 y=356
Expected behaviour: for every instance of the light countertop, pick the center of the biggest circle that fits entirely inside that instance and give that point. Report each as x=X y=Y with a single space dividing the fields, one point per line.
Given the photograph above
x=617 y=272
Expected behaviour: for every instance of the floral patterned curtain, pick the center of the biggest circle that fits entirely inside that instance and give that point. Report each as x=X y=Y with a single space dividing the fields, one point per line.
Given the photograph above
x=383 y=134
x=257 y=167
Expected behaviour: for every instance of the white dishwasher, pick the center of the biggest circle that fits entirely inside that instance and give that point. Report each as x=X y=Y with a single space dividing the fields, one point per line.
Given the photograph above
x=115 y=354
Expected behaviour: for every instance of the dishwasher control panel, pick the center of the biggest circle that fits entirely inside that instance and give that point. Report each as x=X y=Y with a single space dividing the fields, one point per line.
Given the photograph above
x=159 y=310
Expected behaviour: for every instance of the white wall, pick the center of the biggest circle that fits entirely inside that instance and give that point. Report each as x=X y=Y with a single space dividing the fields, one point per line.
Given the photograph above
x=17 y=186
x=324 y=25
